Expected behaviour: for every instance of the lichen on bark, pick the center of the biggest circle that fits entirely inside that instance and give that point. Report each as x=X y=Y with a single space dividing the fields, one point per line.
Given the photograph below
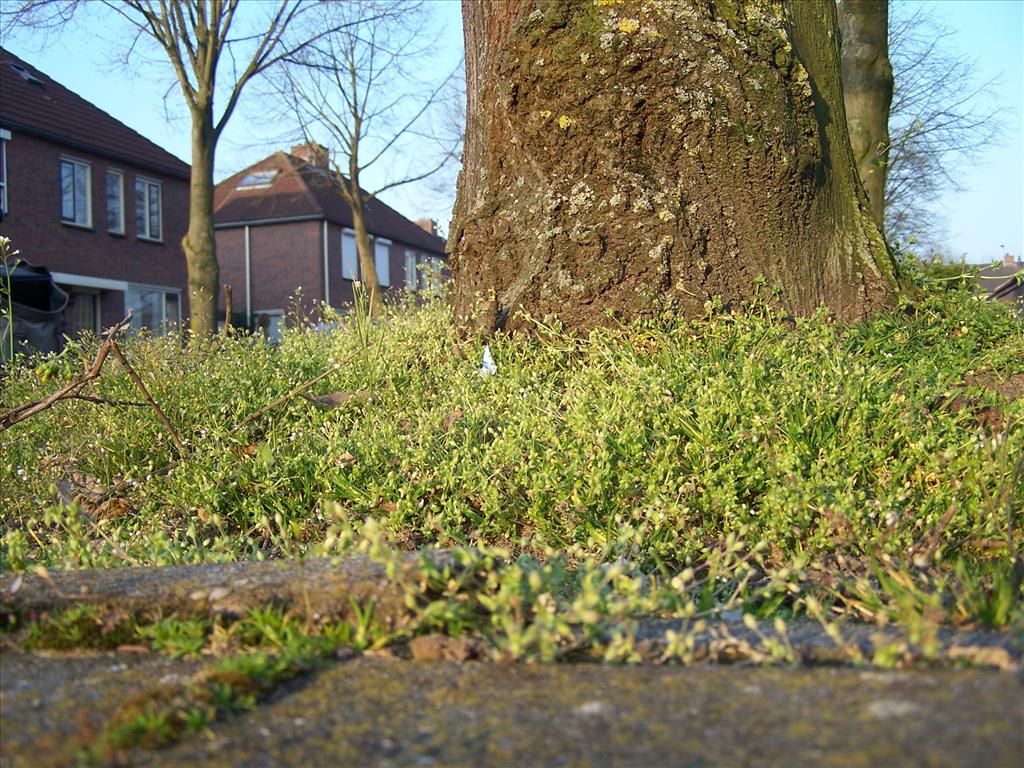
x=637 y=156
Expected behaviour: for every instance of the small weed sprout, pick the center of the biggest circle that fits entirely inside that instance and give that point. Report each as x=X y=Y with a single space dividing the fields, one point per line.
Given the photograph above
x=10 y=260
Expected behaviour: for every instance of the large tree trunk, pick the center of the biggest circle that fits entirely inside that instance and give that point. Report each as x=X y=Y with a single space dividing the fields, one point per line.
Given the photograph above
x=626 y=158
x=867 y=92
x=199 y=243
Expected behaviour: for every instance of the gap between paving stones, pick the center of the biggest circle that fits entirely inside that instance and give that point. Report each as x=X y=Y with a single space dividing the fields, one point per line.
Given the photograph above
x=322 y=589
x=328 y=589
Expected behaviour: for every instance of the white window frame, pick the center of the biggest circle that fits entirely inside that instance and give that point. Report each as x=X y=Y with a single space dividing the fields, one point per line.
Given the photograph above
x=411 y=271
x=5 y=136
x=349 y=262
x=383 y=275
x=146 y=232
x=133 y=290
x=74 y=164
x=119 y=230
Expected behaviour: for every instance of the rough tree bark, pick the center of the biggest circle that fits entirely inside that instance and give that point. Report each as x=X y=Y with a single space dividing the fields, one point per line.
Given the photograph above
x=867 y=92
x=622 y=158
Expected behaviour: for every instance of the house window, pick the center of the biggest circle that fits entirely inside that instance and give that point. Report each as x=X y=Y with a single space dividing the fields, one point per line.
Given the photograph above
x=410 y=270
x=172 y=309
x=148 y=216
x=83 y=311
x=257 y=180
x=349 y=256
x=5 y=136
x=115 y=202
x=26 y=74
x=153 y=308
x=75 y=193
x=382 y=260
x=275 y=326
x=271 y=324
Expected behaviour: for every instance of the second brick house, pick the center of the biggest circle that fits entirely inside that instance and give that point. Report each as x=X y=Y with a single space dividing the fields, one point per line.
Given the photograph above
x=102 y=207
x=282 y=225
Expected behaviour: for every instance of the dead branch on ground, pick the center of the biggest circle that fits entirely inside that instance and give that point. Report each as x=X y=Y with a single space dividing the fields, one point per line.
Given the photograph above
x=73 y=389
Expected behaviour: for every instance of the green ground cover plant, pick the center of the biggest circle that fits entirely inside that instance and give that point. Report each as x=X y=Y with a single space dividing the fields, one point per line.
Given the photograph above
x=744 y=461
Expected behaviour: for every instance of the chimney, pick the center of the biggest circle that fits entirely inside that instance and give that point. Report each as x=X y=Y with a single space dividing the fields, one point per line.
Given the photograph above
x=427 y=225
x=312 y=154
x=1009 y=259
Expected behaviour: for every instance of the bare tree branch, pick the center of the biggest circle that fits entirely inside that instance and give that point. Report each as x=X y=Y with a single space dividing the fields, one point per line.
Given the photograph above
x=354 y=91
x=937 y=122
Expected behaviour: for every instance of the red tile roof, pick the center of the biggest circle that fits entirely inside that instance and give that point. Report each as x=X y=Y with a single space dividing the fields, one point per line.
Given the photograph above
x=301 y=191
x=41 y=106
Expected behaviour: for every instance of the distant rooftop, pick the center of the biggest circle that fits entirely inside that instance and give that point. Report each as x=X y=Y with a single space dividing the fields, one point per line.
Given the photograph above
x=298 y=185
x=34 y=103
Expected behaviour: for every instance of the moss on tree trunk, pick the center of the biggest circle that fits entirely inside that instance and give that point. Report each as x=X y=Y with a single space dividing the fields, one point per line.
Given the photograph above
x=624 y=158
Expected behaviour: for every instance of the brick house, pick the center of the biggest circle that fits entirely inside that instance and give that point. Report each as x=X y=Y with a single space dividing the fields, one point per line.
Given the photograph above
x=103 y=208
x=282 y=225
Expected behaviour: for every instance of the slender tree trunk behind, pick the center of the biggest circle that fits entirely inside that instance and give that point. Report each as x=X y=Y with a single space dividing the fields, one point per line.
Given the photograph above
x=367 y=263
x=867 y=92
x=623 y=159
x=199 y=243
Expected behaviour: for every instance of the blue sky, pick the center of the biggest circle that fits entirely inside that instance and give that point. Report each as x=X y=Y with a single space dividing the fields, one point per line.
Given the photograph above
x=989 y=214
x=986 y=217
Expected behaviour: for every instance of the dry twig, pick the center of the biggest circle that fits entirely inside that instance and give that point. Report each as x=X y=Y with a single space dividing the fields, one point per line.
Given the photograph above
x=71 y=390
x=228 y=309
x=149 y=398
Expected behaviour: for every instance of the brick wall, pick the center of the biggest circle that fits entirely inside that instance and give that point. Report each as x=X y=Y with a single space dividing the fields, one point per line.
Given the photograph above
x=284 y=257
x=231 y=259
x=341 y=289
x=33 y=221
x=289 y=255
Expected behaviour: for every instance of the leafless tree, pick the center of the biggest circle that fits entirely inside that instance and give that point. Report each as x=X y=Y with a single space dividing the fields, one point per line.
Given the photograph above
x=938 y=121
x=359 y=93
x=213 y=60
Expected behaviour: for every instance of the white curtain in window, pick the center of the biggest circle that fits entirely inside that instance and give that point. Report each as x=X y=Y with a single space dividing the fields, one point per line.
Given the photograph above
x=115 y=202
